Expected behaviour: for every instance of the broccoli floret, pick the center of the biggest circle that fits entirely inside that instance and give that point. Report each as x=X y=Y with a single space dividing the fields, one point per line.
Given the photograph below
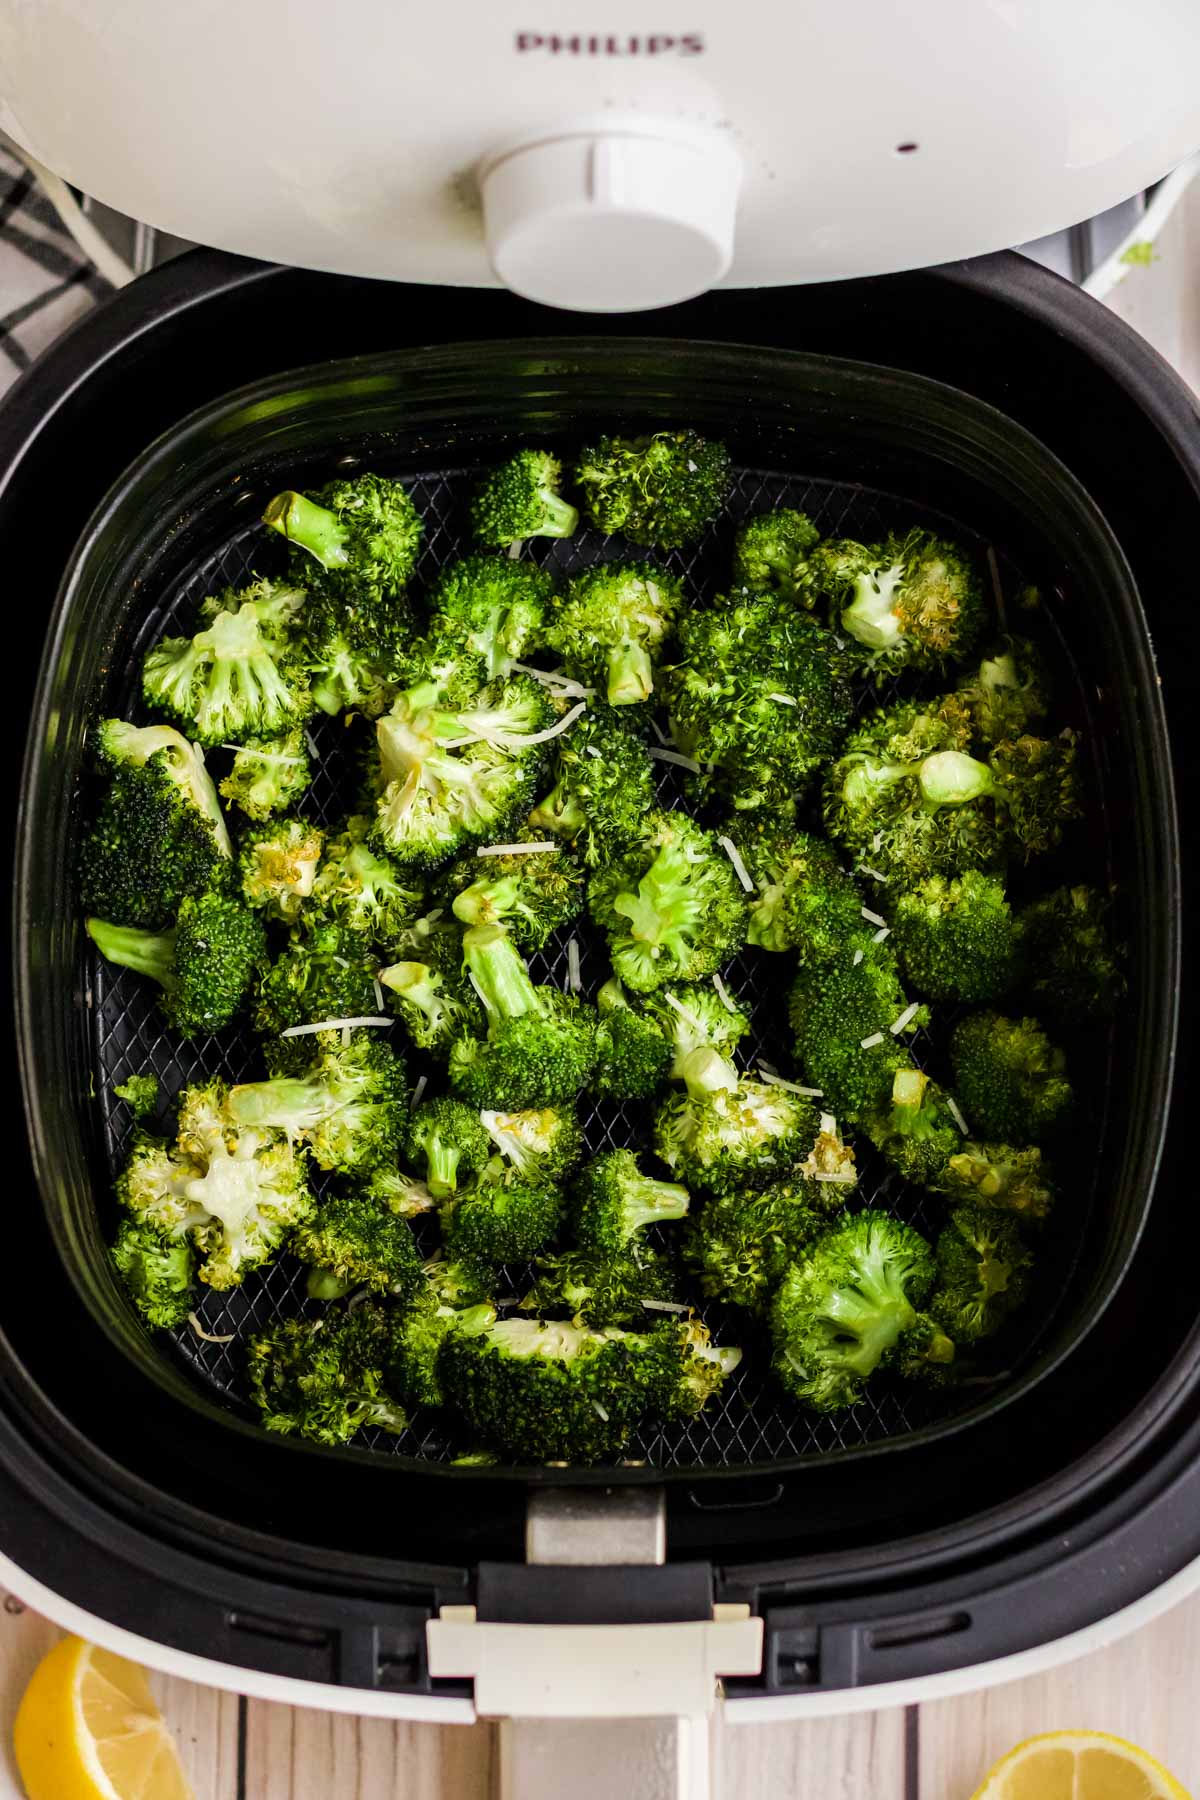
x=236 y=1193
x=350 y=1106
x=983 y=1272
x=360 y=1242
x=771 y=555
x=548 y=1392
x=742 y=1244
x=430 y=992
x=158 y=1272
x=420 y=1333
x=358 y=537
x=449 y=775
x=396 y=1189
x=672 y=906
x=205 y=965
x=845 y=1016
x=506 y=1218
x=325 y=1379
x=731 y=1131
x=956 y=938
x=830 y=1168
x=1009 y=692
x=661 y=489
x=356 y=888
x=542 y=1143
x=603 y=787
x=610 y=625
x=925 y=1353
x=594 y=1289
x=686 y=1370
x=1009 y=1077
x=757 y=696
x=635 y=1054
x=803 y=900
x=353 y=657
x=541 y=1045
x=494 y=607
x=140 y=1094
x=842 y=1310
x=267 y=779
x=913 y=1129
x=520 y=500
x=1015 y=1181
x=532 y=893
x=913 y=602
x=612 y=1202
x=447 y=1142
x=278 y=866
x=239 y=679
x=694 y=1018
x=158 y=834
x=323 y=973
x=1070 y=962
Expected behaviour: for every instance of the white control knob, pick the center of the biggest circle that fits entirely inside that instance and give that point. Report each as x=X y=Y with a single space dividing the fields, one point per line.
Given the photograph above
x=614 y=220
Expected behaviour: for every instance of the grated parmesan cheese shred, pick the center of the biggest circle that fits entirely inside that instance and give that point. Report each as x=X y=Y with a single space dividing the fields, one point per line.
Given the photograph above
x=869 y=1043
x=793 y=1087
x=514 y=849
x=723 y=995
x=574 y=977
x=378 y=994
x=418 y=1091
x=667 y=1306
x=953 y=1109
x=209 y=1337
x=858 y=956
x=739 y=867
x=906 y=1018
x=333 y=1025
x=674 y=756
x=872 y=918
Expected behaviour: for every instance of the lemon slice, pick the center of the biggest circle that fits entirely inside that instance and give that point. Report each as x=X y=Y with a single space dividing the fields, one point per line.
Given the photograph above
x=1079 y=1765
x=88 y=1729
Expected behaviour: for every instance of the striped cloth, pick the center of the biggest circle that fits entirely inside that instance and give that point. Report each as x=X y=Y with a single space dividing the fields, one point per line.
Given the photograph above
x=46 y=282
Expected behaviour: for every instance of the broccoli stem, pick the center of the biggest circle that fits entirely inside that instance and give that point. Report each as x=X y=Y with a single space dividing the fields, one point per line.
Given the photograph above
x=705 y=1071
x=612 y=996
x=560 y=517
x=482 y=900
x=501 y=978
x=323 y=1284
x=648 y=1202
x=317 y=530
x=148 y=952
x=413 y=981
x=559 y=812
x=908 y=1087
x=630 y=675
x=441 y=1167
x=952 y=778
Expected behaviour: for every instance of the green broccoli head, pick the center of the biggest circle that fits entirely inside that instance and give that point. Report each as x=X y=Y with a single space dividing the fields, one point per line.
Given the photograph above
x=532 y=893
x=997 y=1175
x=662 y=489
x=359 y=536
x=742 y=1244
x=1070 y=961
x=672 y=906
x=757 y=696
x=696 y=1018
x=238 y=679
x=448 y=1144
x=421 y=1331
x=237 y=1194
x=913 y=1129
x=324 y=972
x=634 y=1052
x=803 y=900
x=730 y=1131
x=595 y=1289
x=205 y=965
x=355 y=654
x=913 y=602
x=140 y=1094
x=449 y=775
x=494 y=607
x=361 y=1243
x=278 y=866
x=610 y=624
x=603 y=787
x=430 y=992
x=842 y=1309
x=350 y=1106
x=158 y=834
x=983 y=1272
x=505 y=1218
x=771 y=555
x=521 y=499
x=851 y=1020
x=356 y=888
x=612 y=1202
x=686 y=1370
x=926 y=1353
x=1010 y=1079
x=325 y=1379
x=541 y=1143
x=158 y=1272
x=541 y=1045
x=956 y=937
x=267 y=779
x=1009 y=692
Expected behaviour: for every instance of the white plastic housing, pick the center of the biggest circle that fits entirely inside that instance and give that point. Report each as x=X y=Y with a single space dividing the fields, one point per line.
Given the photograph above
x=870 y=136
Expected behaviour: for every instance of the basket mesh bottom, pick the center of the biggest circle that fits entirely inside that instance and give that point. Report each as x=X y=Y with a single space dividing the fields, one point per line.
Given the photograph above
x=753 y=1422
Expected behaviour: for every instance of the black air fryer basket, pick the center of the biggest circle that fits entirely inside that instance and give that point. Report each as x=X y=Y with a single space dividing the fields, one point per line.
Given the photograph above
x=955 y=1503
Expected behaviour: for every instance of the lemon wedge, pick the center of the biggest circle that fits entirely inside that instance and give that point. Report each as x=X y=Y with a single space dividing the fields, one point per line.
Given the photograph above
x=88 y=1729
x=1079 y=1765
